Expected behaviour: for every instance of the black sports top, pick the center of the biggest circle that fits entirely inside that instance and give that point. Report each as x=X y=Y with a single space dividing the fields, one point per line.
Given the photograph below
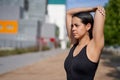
x=79 y=67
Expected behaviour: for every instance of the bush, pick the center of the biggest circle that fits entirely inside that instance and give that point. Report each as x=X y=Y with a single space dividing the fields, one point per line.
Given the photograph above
x=17 y=51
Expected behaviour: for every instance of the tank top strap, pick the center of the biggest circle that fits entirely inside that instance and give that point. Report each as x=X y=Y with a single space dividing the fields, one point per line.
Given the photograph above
x=86 y=57
x=72 y=49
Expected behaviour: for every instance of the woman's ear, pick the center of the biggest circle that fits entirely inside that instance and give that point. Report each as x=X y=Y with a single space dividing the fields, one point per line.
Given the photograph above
x=88 y=26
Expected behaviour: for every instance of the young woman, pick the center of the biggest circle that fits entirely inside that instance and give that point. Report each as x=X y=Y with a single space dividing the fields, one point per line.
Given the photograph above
x=86 y=36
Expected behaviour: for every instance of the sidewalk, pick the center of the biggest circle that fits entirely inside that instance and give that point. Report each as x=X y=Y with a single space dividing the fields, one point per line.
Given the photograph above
x=52 y=68
x=10 y=63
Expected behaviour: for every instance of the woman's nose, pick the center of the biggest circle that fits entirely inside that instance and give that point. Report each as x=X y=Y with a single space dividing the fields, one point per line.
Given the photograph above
x=73 y=28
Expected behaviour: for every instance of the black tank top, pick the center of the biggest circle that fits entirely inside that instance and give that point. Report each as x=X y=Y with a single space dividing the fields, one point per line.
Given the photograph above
x=79 y=67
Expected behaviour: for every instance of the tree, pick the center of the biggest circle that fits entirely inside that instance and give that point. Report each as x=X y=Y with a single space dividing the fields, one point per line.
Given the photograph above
x=112 y=23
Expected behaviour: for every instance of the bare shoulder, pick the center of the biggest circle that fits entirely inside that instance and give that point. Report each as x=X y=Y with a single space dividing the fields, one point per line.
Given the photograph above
x=93 y=52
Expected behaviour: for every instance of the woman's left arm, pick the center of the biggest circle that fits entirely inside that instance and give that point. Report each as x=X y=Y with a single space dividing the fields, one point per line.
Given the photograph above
x=98 y=28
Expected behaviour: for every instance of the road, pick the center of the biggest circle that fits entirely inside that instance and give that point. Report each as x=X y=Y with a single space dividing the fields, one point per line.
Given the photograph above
x=51 y=68
x=10 y=63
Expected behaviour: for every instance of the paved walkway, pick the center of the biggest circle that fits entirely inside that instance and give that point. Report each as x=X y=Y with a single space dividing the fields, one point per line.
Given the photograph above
x=11 y=63
x=52 y=68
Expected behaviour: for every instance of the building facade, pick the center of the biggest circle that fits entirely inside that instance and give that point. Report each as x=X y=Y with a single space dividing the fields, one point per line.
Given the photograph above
x=20 y=21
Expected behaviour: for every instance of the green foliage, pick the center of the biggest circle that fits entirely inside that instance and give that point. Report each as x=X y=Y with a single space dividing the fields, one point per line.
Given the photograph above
x=17 y=51
x=57 y=31
x=112 y=24
x=44 y=48
x=68 y=44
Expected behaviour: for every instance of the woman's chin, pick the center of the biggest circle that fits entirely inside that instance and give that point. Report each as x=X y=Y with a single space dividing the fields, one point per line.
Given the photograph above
x=76 y=37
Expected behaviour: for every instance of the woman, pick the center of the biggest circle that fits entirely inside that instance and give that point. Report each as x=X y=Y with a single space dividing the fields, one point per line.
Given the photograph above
x=86 y=41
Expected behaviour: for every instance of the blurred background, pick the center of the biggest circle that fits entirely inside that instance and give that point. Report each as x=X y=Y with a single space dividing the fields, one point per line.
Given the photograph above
x=32 y=24
x=39 y=25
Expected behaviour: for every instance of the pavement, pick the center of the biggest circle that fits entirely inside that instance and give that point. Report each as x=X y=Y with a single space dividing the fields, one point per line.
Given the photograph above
x=11 y=63
x=51 y=67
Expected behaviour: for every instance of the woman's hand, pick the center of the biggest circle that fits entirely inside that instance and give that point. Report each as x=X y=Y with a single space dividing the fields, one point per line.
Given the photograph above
x=101 y=10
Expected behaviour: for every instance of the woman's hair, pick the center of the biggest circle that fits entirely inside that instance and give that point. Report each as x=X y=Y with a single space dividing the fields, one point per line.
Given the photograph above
x=86 y=18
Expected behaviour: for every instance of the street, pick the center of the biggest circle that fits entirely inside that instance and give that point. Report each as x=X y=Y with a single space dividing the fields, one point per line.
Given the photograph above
x=52 y=68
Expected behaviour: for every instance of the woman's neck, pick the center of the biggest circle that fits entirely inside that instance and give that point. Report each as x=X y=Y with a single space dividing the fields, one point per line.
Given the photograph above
x=84 y=40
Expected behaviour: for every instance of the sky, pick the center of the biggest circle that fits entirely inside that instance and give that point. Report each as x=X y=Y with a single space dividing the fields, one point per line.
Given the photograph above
x=84 y=3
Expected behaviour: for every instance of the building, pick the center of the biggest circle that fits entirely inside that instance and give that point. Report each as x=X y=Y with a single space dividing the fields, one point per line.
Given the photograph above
x=20 y=22
x=56 y=14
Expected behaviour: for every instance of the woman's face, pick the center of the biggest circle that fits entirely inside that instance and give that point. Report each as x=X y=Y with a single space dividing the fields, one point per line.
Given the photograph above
x=78 y=28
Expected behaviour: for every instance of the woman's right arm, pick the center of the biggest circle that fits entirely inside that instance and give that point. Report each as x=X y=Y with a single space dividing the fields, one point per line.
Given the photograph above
x=69 y=15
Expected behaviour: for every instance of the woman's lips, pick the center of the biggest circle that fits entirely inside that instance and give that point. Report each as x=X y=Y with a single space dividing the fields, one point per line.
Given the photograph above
x=74 y=34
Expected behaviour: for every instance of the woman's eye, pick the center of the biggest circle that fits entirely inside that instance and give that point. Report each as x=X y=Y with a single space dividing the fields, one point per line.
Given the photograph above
x=71 y=25
x=76 y=25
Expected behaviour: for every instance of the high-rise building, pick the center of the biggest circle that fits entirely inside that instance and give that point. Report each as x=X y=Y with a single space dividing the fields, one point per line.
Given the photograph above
x=26 y=14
